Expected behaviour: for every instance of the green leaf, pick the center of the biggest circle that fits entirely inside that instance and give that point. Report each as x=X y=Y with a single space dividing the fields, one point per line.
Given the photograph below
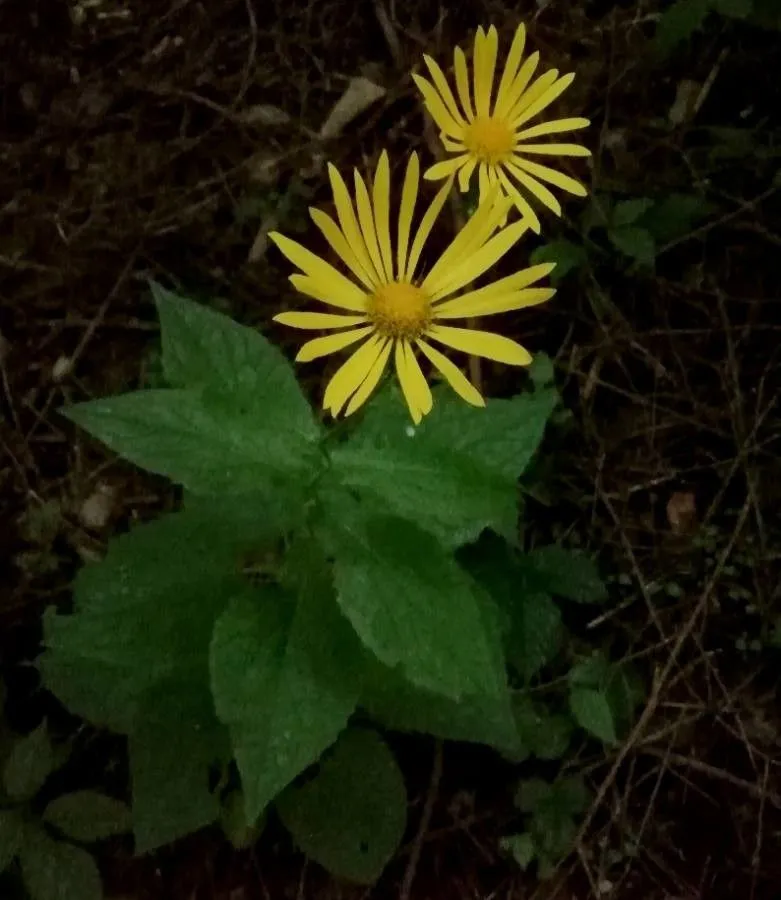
x=678 y=23
x=552 y=809
x=29 y=764
x=88 y=816
x=521 y=847
x=629 y=211
x=676 y=215
x=175 y=742
x=638 y=243
x=411 y=604
x=54 y=870
x=11 y=834
x=566 y=573
x=535 y=633
x=567 y=256
x=453 y=475
x=351 y=816
x=543 y=734
x=284 y=681
x=212 y=443
x=589 y=700
x=241 y=832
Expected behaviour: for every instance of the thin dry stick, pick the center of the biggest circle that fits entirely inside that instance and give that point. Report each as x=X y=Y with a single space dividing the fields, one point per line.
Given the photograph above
x=425 y=821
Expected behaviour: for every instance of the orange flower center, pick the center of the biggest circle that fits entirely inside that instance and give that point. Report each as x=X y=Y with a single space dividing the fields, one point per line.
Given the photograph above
x=399 y=309
x=489 y=139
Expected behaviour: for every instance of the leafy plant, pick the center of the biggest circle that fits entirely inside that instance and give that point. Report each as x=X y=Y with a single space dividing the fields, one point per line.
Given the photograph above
x=314 y=584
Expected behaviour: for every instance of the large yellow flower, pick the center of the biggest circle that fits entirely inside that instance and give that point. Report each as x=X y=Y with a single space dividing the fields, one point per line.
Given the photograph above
x=387 y=309
x=489 y=134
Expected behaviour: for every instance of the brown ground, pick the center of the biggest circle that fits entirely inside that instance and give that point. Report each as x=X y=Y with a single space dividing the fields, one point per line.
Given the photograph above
x=132 y=145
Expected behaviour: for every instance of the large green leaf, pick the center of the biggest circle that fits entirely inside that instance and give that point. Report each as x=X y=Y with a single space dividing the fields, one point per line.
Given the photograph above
x=29 y=764
x=351 y=816
x=453 y=475
x=54 y=870
x=678 y=24
x=284 y=681
x=411 y=604
x=88 y=816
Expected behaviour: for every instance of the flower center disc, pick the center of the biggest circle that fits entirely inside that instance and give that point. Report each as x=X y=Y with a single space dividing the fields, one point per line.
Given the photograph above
x=399 y=310
x=490 y=140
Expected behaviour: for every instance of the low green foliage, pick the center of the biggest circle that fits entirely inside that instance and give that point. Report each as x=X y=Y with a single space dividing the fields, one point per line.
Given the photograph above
x=683 y=18
x=311 y=581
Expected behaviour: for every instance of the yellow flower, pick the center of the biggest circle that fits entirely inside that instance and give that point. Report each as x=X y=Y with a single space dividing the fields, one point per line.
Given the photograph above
x=387 y=309
x=490 y=134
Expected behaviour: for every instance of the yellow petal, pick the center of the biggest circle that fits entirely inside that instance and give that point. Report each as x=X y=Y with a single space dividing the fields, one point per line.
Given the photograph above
x=476 y=263
x=453 y=145
x=335 y=237
x=483 y=181
x=317 y=320
x=349 y=377
x=381 y=197
x=452 y=374
x=331 y=343
x=366 y=218
x=463 y=307
x=532 y=94
x=313 y=288
x=409 y=194
x=442 y=86
x=346 y=216
x=481 y=343
x=555 y=126
x=554 y=149
x=511 y=66
x=529 y=112
x=445 y=168
x=484 y=72
x=536 y=188
x=371 y=381
x=331 y=282
x=413 y=384
x=507 y=285
x=551 y=176
x=424 y=229
x=522 y=204
x=434 y=104
x=465 y=174
x=518 y=86
x=462 y=82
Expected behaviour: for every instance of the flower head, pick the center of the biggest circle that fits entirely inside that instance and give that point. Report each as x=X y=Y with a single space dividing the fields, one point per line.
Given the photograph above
x=488 y=131
x=387 y=308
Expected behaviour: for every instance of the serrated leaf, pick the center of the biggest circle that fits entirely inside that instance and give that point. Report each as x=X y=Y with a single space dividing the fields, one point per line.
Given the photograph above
x=283 y=680
x=54 y=870
x=11 y=834
x=410 y=604
x=628 y=211
x=605 y=696
x=567 y=256
x=678 y=23
x=592 y=711
x=546 y=735
x=456 y=473
x=535 y=633
x=351 y=816
x=637 y=243
x=29 y=764
x=88 y=816
x=565 y=573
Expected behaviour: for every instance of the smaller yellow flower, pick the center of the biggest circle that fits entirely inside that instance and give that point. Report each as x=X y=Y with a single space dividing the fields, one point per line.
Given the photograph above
x=387 y=309
x=488 y=131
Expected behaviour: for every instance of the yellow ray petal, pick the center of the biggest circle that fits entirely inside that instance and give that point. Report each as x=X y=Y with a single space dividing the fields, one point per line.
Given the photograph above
x=335 y=237
x=544 y=173
x=532 y=94
x=515 y=282
x=437 y=108
x=409 y=194
x=462 y=307
x=371 y=381
x=477 y=65
x=529 y=112
x=454 y=146
x=442 y=86
x=317 y=320
x=518 y=86
x=484 y=73
x=366 y=218
x=331 y=343
x=381 y=197
x=476 y=263
x=555 y=126
x=536 y=188
x=522 y=204
x=315 y=289
x=413 y=384
x=554 y=149
x=346 y=215
x=349 y=377
x=325 y=276
x=481 y=343
x=452 y=374
x=483 y=182
x=462 y=83
x=465 y=174
x=511 y=65
x=424 y=229
x=445 y=168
